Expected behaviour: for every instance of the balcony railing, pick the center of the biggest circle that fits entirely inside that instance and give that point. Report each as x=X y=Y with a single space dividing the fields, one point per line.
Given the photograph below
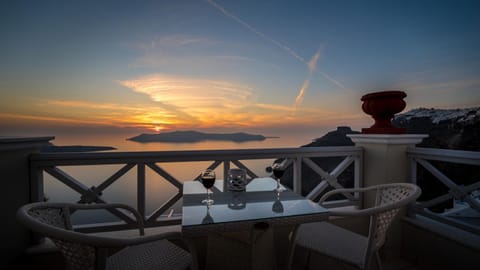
x=51 y=163
x=461 y=187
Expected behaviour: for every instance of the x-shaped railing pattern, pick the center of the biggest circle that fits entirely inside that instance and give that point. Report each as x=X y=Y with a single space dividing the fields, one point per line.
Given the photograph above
x=423 y=156
x=51 y=163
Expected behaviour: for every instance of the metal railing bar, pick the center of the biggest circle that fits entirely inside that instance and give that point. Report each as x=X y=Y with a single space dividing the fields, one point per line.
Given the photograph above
x=438 y=174
x=358 y=176
x=437 y=200
x=226 y=168
x=57 y=159
x=317 y=190
x=141 y=189
x=69 y=181
x=316 y=168
x=172 y=180
x=212 y=166
x=450 y=221
x=342 y=166
x=297 y=175
x=159 y=211
x=453 y=156
x=457 y=191
x=114 y=177
x=48 y=161
x=240 y=165
x=332 y=181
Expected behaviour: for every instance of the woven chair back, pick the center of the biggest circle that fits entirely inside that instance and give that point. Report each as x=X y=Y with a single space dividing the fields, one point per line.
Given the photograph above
x=78 y=256
x=389 y=195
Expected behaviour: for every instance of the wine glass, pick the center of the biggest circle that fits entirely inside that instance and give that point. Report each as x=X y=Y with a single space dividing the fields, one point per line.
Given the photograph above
x=208 y=180
x=278 y=171
x=277 y=206
x=208 y=218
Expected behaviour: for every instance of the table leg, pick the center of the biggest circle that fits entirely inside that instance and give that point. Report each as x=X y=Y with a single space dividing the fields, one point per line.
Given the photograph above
x=284 y=246
x=198 y=250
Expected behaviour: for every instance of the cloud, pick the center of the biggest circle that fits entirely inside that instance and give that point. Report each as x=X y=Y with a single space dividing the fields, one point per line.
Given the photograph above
x=171 y=41
x=189 y=94
x=214 y=103
x=181 y=51
x=200 y=101
x=273 y=107
x=110 y=114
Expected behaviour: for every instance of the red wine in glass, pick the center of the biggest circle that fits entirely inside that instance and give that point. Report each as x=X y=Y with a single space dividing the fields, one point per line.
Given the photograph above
x=208 y=180
x=278 y=171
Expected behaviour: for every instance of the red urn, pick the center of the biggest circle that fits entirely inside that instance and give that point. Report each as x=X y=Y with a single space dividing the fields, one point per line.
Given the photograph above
x=382 y=106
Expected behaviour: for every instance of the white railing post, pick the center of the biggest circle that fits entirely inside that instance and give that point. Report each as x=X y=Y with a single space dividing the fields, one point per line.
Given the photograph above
x=413 y=179
x=358 y=175
x=141 y=188
x=226 y=168
x=384 y=157
x=297 y=175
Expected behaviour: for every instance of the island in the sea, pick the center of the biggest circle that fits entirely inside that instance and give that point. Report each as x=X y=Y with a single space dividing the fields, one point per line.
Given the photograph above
x=195 y=136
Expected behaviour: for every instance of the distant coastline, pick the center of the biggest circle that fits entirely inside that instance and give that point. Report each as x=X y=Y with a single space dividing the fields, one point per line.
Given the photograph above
x=195 y=136
x=75 y=148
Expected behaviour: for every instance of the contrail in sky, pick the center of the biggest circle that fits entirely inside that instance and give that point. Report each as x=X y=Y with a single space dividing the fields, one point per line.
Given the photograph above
x=258 y=33
x=312 y=66
x=271 y=40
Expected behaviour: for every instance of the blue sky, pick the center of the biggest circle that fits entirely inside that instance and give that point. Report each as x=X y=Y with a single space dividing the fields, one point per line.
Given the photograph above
x=229 y=65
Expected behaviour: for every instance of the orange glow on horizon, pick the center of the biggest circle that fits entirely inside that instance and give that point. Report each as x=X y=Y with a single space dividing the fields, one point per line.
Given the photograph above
x=178 y=103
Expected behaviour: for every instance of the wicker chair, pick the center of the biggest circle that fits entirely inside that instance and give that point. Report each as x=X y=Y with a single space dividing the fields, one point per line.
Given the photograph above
x=88 y=252
x=354 y=249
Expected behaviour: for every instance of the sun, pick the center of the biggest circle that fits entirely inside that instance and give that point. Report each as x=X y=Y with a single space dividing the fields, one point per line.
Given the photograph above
x=158 y=128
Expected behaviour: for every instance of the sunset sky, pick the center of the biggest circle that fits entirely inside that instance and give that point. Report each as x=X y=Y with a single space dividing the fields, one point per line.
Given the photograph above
x=228 y=65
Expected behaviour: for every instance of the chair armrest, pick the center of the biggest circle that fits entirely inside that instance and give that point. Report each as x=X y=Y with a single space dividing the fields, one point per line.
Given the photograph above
x=111 y=206
x=368 y=211
x=341 y=191
x=54 y=232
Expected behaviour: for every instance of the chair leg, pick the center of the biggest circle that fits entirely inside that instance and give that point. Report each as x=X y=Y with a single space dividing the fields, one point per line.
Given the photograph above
x=379 y=262
x=307 y=265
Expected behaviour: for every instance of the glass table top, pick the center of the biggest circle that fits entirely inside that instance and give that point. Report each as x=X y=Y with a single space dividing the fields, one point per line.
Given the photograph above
x=258 y=203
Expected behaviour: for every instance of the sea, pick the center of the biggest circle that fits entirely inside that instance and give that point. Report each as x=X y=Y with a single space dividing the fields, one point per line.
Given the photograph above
x=158 y=190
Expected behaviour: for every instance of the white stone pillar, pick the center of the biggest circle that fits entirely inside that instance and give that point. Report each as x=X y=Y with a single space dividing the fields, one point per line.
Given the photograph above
x=384 y=157
x=385 y=161
x=15 y=177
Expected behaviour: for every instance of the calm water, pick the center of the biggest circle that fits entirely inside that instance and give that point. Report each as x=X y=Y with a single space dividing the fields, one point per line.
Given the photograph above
x=158 y=190
x=122 y=144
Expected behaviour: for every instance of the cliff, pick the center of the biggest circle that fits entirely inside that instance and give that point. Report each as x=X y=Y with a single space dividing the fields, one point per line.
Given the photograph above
x=457 y=129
